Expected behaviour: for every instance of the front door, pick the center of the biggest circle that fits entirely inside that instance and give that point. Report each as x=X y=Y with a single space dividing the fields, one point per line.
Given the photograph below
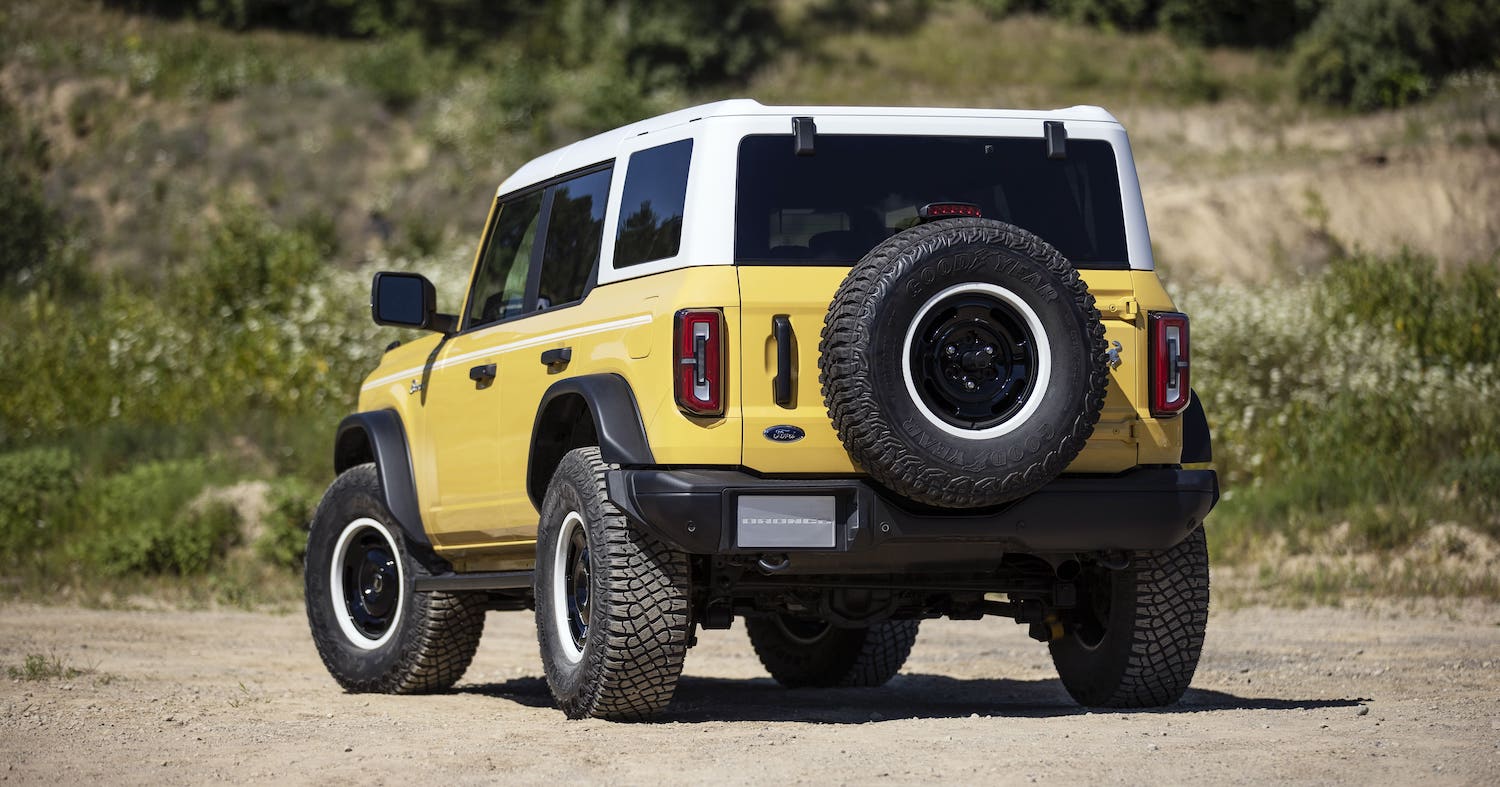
x=465 y=392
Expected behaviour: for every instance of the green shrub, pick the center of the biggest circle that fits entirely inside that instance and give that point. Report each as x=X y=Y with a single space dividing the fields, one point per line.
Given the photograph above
x=1366 y=54
x=150 y=520
x=27 y=222
x=192 y=542
x=1369 y=394
x=283 y=542
x=37 y=488
x=396 y=69
x=1269 y=23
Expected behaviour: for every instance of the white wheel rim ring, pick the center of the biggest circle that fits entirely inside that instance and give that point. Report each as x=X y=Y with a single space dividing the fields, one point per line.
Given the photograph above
x=336 y=584
x=560 y=622
x=1043 y=354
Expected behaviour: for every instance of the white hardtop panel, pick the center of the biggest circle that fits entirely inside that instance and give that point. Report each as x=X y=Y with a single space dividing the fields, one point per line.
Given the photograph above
x=603 y=147
x=717 y=128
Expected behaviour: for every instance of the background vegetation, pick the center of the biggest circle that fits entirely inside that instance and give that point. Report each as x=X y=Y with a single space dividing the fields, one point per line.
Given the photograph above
x=193 y=195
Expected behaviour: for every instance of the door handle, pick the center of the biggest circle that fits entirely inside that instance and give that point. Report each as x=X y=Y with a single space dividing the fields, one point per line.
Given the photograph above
x=557 y=357
x=781 y=387
x=482 y=373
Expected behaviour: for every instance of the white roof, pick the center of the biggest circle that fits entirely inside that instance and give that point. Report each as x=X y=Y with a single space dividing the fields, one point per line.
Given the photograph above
x=602 y=147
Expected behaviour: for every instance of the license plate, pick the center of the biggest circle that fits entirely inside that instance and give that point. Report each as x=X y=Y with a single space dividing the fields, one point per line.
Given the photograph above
x=785 y=521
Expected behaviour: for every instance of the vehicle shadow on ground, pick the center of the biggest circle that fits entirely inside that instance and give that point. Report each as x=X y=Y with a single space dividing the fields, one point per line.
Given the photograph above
x=907 y=696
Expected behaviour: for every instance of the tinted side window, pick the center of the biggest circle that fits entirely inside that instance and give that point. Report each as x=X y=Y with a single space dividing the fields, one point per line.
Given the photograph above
x=499 y=289
x=652 y=204
x=574 y=231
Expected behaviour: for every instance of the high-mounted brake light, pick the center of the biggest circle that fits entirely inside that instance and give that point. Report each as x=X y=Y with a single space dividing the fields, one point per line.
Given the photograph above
x=698 y=362
x=946 y=210
x=1170 y=385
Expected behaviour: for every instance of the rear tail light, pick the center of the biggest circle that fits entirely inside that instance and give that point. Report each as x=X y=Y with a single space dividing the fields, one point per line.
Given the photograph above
x=699 y=361
x=1170 y=386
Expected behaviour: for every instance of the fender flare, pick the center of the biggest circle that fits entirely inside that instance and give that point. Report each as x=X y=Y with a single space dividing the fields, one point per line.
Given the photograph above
x=1197 y=442
x=378 y=436
x=618 y=429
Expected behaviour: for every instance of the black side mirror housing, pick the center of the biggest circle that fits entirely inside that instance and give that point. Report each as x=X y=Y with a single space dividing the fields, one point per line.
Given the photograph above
x=407 y=300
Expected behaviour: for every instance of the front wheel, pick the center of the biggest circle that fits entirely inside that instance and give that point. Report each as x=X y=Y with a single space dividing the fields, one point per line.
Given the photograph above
x=611 y=602
x=1135 y=637
x=374 y=633
x=814 y=653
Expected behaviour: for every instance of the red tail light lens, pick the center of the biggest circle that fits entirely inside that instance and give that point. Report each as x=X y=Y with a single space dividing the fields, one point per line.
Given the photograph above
x=699 y=361
x=1170 y=385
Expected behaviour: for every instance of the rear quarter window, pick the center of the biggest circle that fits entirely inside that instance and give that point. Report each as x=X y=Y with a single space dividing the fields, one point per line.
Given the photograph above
x=652 y=203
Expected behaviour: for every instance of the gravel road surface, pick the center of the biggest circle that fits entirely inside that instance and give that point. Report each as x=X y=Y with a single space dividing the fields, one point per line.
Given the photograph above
x=1386 y=694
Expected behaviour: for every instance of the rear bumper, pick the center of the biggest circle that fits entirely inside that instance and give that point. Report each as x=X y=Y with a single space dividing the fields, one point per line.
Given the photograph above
x=695 y=511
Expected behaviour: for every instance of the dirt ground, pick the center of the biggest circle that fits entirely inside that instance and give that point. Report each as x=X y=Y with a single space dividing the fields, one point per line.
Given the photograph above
x=1385 y=694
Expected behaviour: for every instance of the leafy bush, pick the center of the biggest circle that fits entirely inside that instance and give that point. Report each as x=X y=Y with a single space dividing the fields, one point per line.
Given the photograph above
x=1326 y=403
x=191 y=543
x=148 y=520
x=1367 y=54
x=396 y=69
x=289 y=513
x=1272 y=23
x=27 y=223
x=37 y=487
x=1370 y=54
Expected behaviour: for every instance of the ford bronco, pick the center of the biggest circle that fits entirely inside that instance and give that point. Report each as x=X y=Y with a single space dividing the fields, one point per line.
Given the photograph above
x=829 y=370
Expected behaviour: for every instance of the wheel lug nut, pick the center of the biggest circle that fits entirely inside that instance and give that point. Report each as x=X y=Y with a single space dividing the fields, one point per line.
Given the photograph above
x=951 y=350
x=990 y=350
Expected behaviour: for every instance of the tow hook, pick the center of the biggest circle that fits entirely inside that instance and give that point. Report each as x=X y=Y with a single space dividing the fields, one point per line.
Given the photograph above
x=770 y=564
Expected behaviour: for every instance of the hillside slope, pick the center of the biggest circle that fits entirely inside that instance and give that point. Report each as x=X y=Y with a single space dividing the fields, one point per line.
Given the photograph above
x=152 y=125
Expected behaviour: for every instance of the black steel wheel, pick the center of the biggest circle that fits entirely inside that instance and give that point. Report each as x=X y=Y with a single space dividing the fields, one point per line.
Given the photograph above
x=1135 y=638
x=612 y=612
x=372 y=630
x=974 y=359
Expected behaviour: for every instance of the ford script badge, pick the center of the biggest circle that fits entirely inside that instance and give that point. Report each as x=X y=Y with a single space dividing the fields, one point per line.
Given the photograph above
x=784 y=433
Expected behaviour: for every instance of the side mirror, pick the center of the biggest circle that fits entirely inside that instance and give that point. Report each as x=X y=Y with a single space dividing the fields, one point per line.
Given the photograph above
x=407 y=300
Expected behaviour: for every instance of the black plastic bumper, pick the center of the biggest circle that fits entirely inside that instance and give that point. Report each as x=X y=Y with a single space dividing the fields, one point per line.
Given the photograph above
x=695 y=511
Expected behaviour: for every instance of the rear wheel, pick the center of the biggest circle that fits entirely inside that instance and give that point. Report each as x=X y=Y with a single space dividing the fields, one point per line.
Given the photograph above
x=374 y=633
x=611 y=602
x=1136 y=635
x=799 y=652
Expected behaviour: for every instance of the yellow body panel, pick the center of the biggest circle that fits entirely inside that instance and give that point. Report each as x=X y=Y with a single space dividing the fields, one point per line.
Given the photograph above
x=471 y=442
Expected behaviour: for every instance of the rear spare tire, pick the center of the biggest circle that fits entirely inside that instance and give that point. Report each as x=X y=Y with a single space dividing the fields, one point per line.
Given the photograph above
x=963 y=363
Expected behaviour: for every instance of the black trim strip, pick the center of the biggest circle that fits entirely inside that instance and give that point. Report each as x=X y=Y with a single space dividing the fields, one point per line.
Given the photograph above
x=483 y=580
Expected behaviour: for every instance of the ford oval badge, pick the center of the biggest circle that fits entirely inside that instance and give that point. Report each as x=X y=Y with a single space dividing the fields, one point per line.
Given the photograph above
x=784 y=433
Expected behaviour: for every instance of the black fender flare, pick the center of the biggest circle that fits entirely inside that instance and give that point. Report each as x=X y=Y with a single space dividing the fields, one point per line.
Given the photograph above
x=616 y=418
x=379 y=436
x=1197 y=442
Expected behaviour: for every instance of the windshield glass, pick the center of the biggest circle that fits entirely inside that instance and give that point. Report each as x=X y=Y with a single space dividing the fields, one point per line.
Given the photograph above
x=855 y=191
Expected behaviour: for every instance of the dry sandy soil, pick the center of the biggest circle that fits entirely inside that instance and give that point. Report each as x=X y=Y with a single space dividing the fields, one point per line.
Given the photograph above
x=1384 y=694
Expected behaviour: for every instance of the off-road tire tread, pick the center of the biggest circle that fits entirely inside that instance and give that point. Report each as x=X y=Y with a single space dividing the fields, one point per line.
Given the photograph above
x=441 y=630
x=1171 y=619
x=646 y=598
x=848 y=388
x=863 y=657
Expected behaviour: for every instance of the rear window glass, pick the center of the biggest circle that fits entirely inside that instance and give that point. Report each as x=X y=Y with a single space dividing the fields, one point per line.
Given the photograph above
x=651 y=204
x=855 y=191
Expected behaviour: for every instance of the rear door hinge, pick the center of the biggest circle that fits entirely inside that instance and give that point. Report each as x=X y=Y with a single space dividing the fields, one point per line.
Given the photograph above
x=1123 y=431
x=1125 y=309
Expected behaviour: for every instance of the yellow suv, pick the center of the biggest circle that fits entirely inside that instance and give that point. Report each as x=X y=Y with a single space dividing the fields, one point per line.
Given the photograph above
x=831 y=370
